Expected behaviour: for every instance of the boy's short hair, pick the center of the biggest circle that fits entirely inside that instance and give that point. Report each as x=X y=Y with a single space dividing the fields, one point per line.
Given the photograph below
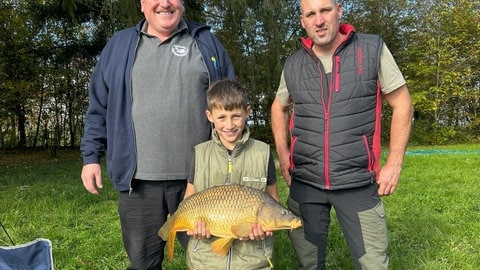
x=226 y=94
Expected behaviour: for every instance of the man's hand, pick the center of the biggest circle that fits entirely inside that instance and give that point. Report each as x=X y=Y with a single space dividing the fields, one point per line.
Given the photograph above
x=388 y=180
x=92 y=178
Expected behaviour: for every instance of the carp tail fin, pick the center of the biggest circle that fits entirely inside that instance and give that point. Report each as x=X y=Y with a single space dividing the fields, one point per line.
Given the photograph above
x=171 y=244
x=167 y=233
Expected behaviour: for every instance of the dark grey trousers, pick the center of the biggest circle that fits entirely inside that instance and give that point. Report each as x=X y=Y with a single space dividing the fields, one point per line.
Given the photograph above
x=306 y=251
x=142 y=212
x=361 y=216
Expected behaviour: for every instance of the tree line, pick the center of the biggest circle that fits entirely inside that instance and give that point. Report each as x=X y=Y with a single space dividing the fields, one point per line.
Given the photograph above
x=48 y=49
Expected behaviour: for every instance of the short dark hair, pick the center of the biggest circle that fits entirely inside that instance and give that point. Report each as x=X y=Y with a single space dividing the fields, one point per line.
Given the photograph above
x=226 y=94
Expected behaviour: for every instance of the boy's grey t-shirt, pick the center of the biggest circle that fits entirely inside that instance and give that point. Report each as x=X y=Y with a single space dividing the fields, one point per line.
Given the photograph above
x=169 y=82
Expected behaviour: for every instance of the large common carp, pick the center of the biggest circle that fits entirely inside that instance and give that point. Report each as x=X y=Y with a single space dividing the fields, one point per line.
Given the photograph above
x=229 y=212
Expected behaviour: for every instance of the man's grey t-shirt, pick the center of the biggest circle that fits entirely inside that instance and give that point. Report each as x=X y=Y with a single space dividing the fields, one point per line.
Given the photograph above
x=169 y=82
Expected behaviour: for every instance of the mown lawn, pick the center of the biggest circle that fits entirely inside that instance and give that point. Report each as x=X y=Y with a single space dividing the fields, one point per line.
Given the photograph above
x=433 y=218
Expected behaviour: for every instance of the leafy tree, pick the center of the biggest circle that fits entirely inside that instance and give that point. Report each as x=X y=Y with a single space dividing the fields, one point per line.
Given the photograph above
x=18 y=70
x=443 y=69
x=49 y=47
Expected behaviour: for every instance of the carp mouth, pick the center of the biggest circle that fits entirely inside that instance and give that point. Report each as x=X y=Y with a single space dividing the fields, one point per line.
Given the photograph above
x=294 y=225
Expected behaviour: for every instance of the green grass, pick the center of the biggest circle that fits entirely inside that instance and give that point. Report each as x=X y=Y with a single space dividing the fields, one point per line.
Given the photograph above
x=433 y=218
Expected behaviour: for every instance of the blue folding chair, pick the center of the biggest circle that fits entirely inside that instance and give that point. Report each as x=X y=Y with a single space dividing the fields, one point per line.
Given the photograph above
x=34 y=255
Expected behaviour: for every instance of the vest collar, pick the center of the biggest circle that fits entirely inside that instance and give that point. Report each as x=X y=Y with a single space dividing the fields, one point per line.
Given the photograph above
x=239 y=145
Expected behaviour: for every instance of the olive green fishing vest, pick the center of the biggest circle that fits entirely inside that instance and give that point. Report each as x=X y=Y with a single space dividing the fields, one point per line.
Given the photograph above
x=247 y=165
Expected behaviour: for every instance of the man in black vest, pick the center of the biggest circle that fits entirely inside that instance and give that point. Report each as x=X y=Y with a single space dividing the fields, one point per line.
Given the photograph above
x=336 y=83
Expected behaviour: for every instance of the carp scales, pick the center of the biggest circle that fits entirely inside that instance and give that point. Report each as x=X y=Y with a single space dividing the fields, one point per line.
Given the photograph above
x=229 y=212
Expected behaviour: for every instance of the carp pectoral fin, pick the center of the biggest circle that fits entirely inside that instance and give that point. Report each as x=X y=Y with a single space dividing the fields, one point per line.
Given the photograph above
x=171 y=244
x=241 y=230
x=222 y=245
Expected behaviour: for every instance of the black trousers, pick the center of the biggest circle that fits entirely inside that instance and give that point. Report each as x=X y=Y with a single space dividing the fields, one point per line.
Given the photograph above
x=142 y=212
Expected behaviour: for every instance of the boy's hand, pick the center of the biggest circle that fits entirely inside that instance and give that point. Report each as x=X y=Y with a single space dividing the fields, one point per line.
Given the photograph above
x=257 y=233
x=200 y=231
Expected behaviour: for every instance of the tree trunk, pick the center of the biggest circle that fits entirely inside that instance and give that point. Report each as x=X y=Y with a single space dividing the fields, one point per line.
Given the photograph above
x=20 y=112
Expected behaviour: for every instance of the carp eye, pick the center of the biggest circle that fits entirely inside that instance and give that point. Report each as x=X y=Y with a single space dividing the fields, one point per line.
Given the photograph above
x=283 y=212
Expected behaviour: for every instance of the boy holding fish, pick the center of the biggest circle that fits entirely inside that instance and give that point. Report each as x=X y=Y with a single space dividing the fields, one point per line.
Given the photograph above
x=231 y=156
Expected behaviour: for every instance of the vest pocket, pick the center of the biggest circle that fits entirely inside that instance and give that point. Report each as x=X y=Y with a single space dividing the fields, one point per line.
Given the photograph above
x=369 y=154
x=252 y=254
x=199 y=255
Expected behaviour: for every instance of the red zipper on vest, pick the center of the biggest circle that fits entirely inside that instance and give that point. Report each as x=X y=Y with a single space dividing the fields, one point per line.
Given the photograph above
x=334 y=87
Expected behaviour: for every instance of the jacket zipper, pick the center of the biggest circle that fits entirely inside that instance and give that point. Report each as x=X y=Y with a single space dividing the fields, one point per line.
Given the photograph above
x=333 y=87
x=230 y=167
x=130 y=190
x=326 y=113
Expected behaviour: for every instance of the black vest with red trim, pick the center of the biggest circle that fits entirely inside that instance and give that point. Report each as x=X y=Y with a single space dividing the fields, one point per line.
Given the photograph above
x=335 y=122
